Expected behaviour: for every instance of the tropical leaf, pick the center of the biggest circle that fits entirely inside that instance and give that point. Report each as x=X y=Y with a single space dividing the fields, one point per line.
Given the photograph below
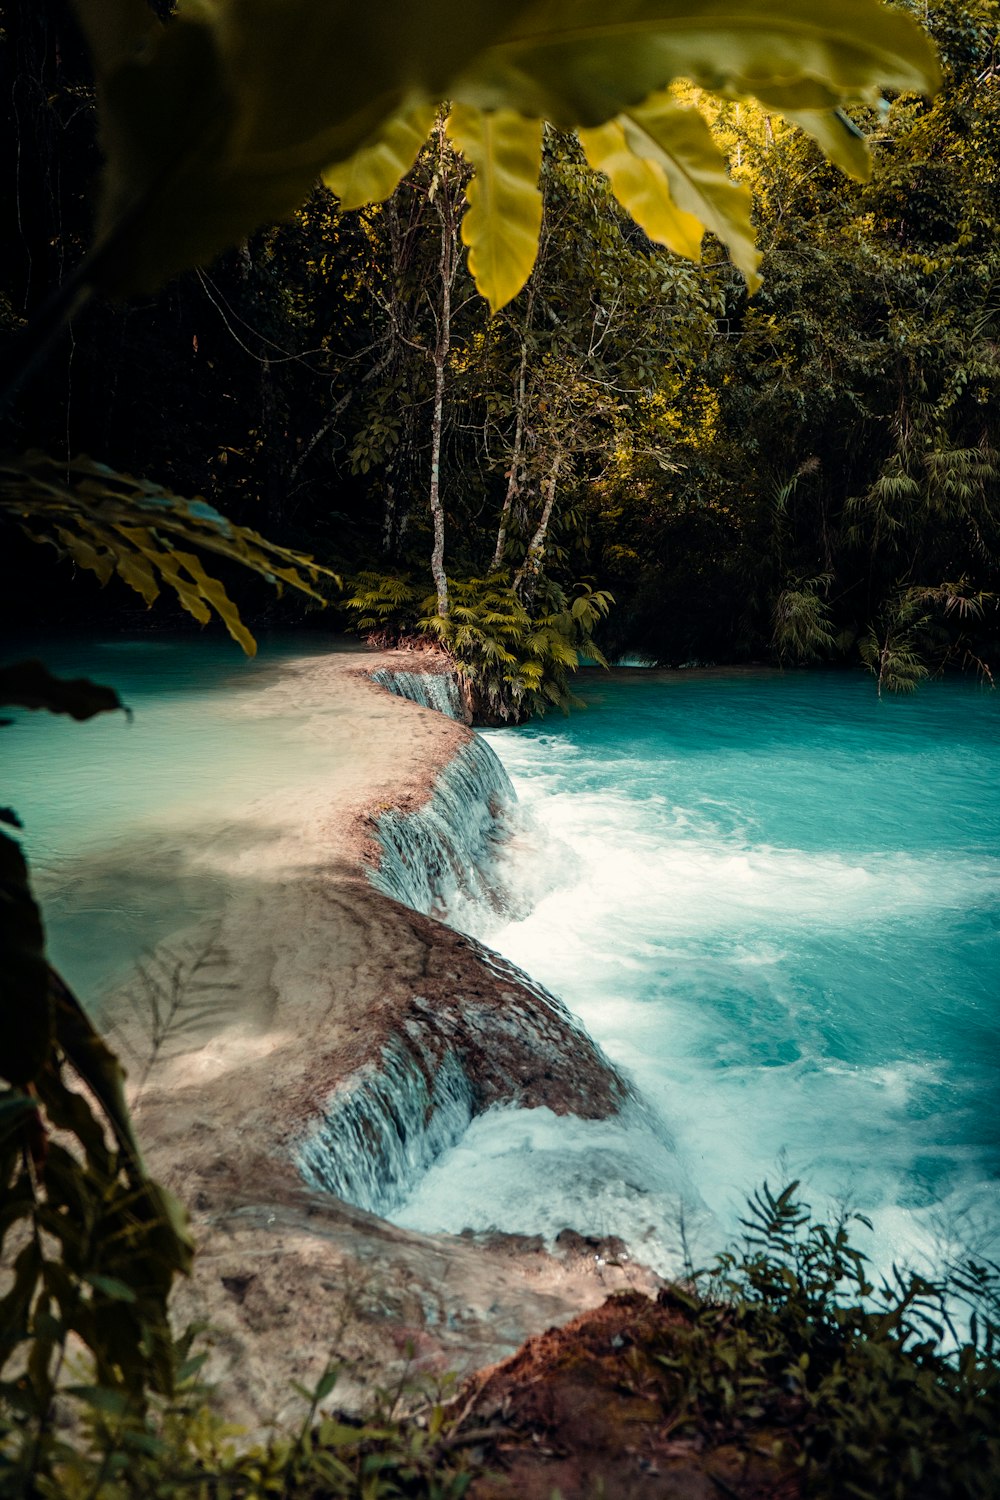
x=581 y=63
x=837 y=137
x=223 y=118
x=640 y=185
x=111 y=522
x=372 y=173
x=27 y=1015
x=29 y=684
x=504 y=218
x=679 y=142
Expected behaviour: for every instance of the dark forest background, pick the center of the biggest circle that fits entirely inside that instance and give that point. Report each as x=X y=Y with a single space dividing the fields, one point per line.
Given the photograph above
x=810 y=474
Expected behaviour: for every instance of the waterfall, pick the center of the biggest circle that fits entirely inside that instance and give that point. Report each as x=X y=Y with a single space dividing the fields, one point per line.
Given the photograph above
x=493 y=1037
x=386 y=1124
x=438 y=690
x=483 y=1033
x=443 y=859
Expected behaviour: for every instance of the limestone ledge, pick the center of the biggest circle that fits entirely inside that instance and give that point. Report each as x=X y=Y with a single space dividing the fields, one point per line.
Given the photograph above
x=321 y=972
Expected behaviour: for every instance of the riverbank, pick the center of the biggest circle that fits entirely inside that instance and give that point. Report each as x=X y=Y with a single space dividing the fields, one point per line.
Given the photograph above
x=314 y=985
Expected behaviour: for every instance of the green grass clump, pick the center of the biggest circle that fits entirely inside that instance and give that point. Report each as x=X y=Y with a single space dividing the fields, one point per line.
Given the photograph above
x=879 y=1392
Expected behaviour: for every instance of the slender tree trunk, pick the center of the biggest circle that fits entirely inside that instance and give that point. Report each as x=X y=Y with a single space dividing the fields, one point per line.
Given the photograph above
x=440 y=360
x=514 y=476
x=446 y=271
x=526 y=576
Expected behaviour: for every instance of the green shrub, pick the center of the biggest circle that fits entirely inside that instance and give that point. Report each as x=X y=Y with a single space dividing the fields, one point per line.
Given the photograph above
x=516 y=660
x=872 y=1391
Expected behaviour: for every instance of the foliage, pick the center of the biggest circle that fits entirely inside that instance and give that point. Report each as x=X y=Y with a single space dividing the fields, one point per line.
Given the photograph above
x=784 y=1345
x=111 y=523
x=911 y=631
x=801 y=621
x=387 y=606
x=225 y=117
x=300 y=370
x=406 y=1444
x=515 y=661
x=872 y=1391
x=865 y=369
x=92 y=1241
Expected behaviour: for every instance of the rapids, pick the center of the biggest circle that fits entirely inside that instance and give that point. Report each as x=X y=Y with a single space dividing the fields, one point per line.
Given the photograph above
x=774 y=901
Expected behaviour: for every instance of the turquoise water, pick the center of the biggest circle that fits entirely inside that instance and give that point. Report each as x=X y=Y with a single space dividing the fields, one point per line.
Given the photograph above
x=775 y=901
x=116 y=814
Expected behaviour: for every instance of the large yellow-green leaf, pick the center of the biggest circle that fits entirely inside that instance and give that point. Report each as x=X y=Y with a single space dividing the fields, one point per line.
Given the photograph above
x=371 y=174
x=117 y=30
x=640 y=185
x=224 y=118
x=504 y=217
x=837 y=137
x=679 y=141
x=579 y=62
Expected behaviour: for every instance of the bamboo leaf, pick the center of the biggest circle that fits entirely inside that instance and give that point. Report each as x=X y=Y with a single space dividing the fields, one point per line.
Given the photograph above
x=504 y=218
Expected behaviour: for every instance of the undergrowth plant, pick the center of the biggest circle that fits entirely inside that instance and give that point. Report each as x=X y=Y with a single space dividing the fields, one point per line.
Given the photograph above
x=408 y=1443
x=516 y=658
x=786 y=1346
x=878 y=1390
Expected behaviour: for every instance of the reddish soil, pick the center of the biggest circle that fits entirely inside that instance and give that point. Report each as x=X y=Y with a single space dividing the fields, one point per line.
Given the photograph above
x=580 y=1412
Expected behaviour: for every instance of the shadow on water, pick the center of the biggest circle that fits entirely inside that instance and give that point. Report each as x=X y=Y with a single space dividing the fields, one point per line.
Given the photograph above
x=108 y=909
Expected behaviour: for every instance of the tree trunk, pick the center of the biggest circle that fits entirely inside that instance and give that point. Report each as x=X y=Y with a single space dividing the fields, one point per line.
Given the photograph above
x=527 y=573
x=440 y=360
x=446 y=270
x=514 y=477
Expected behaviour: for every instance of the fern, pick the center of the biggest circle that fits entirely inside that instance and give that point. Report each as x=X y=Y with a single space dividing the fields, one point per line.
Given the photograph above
x=109 y=523
x=802 y=626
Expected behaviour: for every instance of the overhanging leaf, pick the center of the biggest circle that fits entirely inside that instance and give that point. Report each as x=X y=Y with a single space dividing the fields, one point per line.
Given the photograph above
x=29 y=684
x=109 y=522
x=679 y=141
x=372 y=173
x=504 y=217
x=26 y=1010
x=640 y=185
x=582 y=63
x=224 y=118
x=838 y=138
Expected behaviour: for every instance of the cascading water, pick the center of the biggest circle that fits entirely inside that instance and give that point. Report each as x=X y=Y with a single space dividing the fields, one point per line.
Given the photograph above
x=386 y=1124
x=442 y=859
x=438 y=690
x=774 y=900
x=500 y=1039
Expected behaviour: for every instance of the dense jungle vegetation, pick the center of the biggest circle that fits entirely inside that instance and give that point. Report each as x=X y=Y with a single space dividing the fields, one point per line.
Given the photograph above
x=622 y=447
x=807 y=474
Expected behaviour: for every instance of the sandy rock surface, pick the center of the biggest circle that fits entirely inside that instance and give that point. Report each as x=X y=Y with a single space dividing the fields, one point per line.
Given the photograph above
x=308 y=972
